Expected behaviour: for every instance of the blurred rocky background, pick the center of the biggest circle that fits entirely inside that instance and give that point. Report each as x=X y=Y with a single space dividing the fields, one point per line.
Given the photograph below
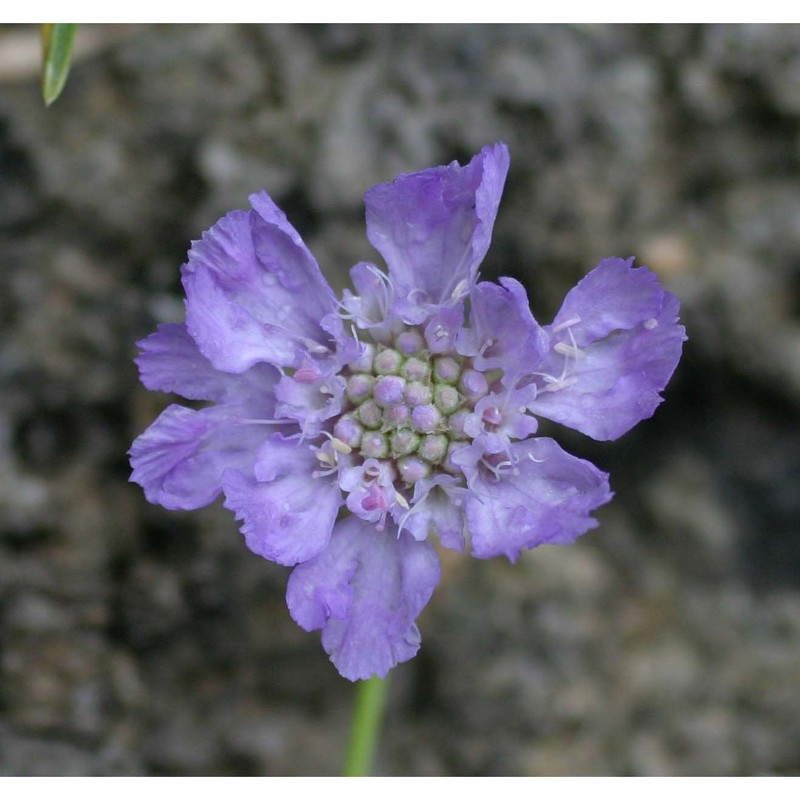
x=666 y=642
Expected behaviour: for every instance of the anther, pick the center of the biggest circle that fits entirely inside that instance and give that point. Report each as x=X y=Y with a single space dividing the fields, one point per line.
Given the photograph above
x=401 y=501
x=567 y=350
x=567 y=323
x=461 y=289
x=325 y=458
x=651 y=324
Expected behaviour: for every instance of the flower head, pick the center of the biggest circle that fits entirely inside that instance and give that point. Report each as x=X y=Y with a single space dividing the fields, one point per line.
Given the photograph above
x=348 y=436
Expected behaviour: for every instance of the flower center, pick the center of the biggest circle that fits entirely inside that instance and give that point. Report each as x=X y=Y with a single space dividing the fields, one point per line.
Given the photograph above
x=407 y=405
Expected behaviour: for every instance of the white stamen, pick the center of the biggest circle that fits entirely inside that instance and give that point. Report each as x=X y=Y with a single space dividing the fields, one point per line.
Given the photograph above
x=568 y=323
x=461 y=289
x=315 y=347
x=568 y=350
x=325 y=458
x=341 y=447
x=401 y=501
x=650 y=324
x=557 y=384
x=235 y=419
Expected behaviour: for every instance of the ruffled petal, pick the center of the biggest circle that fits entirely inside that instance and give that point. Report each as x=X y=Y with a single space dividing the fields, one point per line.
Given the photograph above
x=502 y=332
x=434 y=227
x=544 y=497
x=287 y=514
x=614 y=296
x=604 y=386
x=365 y=590
x=170 y=361
x=254 y=292
x=180 y=458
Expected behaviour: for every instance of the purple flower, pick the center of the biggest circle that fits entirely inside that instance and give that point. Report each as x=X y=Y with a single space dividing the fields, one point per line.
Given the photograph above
x=349 y=436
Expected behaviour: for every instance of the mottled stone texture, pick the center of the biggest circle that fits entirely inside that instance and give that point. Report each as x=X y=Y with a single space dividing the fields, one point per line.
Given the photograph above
x=139 y=641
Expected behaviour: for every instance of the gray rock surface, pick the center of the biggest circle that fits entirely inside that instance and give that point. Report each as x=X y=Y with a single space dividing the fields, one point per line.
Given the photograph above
x=667 y=642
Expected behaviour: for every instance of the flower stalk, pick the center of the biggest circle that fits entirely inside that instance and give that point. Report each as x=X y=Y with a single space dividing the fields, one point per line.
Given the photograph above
x=368 y=711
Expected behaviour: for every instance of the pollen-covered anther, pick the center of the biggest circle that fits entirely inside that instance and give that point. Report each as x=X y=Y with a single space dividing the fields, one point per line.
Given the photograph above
x=568 y=350
x=341 y=447
x=401 y=501
x=324 y=457
x=567 y=323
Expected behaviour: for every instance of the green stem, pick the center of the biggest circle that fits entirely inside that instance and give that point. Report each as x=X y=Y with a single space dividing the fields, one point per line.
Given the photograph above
x=367 y=716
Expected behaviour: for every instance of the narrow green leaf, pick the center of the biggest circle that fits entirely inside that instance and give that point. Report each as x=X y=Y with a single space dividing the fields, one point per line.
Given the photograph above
x=57 y=39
